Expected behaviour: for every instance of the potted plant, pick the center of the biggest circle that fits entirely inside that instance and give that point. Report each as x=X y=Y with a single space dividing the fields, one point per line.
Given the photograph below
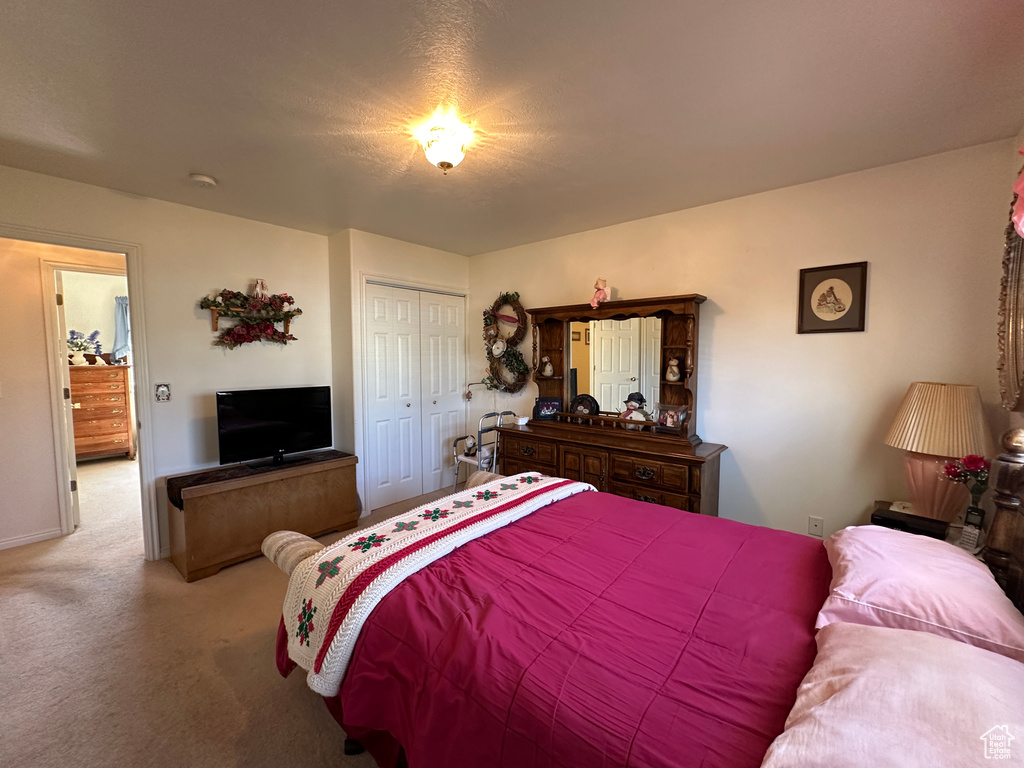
x=79 y=344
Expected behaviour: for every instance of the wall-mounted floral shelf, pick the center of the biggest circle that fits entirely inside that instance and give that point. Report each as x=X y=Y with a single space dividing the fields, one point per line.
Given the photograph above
x=257 y=314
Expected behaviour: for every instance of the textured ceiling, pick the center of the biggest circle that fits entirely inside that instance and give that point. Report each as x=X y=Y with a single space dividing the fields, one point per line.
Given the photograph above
x=589 y=113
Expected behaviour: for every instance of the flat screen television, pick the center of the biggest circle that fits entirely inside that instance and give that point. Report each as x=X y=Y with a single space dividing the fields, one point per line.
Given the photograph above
x=261 y=423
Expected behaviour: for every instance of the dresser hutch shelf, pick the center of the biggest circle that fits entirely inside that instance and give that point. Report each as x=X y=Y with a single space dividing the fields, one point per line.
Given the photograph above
x=675 y=469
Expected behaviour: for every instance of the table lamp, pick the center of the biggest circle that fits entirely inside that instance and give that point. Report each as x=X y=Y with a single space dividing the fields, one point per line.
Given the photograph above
x=937 y=423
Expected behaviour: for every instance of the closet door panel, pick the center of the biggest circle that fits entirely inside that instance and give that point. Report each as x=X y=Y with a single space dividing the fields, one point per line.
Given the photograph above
x=392 y=346
x=443 y=337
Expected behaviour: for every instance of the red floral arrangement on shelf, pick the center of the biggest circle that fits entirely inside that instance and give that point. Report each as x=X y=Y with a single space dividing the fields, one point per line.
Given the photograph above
x=257 y=317
x=972 y=471
x=247 y=332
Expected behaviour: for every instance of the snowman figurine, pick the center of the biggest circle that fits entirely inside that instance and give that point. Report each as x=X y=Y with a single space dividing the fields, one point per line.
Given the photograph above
x=635 y=403
x=546 y=368
x=672 y=372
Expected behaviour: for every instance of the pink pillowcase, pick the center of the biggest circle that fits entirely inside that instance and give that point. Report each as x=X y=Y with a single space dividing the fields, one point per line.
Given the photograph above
x=887 y=578
x=888 y=697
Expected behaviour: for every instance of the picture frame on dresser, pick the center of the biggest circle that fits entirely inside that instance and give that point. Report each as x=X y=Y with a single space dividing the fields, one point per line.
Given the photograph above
x=546 y=408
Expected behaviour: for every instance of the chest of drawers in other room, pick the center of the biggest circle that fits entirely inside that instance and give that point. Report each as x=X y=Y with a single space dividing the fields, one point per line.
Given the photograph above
x=102 y=411
x=637 y=466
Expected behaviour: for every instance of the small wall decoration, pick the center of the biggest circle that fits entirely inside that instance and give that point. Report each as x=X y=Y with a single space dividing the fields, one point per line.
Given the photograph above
x=833 y=299
x=257 y=313
x=507 y=370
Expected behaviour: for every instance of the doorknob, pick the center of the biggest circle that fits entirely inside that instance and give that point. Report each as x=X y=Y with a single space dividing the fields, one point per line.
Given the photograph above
x=408 y=405
x=435 y=402
x=632 y=378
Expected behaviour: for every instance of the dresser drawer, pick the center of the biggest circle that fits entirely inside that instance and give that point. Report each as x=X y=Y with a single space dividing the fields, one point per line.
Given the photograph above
x=656 y=496
x=96 y=374
x=95 y=387
x=530 y=452
x=107 y=426
x=91 y=411
x=672 y=477
x=95 y=399
x=102 y=444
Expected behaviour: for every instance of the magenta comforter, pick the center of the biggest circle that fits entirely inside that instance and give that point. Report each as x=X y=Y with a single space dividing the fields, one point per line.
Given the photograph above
x=598 y=631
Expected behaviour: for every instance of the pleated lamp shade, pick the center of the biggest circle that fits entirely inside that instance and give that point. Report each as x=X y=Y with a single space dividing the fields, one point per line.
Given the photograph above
x=941 y=420
x=937 y=422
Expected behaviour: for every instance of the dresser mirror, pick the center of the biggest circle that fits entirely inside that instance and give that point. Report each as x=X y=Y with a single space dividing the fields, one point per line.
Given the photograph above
x=611 y=359
x=1011 y=323
x=631 y=348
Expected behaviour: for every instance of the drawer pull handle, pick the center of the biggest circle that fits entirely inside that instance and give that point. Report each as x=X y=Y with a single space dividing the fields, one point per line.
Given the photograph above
x=645 y=473
x=117 y=425
x=526 y=450
x=115 y=386
x=117 y=410
x=111 y=375
x=118 y=441
x=649 y=499
x=94 y=421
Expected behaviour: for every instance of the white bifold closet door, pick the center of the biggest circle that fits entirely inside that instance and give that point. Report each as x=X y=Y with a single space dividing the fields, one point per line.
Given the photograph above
x=414 y=351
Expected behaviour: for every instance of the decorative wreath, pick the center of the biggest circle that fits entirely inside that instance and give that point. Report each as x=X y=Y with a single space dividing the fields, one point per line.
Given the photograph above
x=507 y=370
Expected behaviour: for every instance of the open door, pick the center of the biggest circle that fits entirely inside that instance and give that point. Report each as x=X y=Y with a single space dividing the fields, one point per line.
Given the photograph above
x=69 y=420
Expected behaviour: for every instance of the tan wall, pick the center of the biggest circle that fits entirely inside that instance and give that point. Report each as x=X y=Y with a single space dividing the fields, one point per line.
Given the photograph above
x=28 y=470
x=804 y=416
x=187 y=253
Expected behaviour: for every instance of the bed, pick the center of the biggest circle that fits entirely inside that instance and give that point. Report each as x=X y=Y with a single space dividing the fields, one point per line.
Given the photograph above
x=597 y=630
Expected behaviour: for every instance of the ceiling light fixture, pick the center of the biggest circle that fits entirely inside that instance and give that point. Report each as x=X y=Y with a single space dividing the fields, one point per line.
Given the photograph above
x=444 y=138
x=202 y=180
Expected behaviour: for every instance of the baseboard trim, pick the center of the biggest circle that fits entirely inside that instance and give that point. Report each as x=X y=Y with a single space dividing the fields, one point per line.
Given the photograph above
x=165 y=552
x=31 y=538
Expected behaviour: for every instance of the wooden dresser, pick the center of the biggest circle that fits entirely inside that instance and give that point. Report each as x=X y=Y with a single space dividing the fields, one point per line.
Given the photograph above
x=102 y=411
x=644 y=467
x=674 y=468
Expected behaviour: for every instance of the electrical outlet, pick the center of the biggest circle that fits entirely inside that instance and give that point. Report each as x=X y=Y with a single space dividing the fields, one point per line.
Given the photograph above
x=816 y=526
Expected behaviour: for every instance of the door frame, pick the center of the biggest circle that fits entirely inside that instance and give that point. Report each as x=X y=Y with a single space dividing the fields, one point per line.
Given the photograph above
x=133 y=265
x=360 y=412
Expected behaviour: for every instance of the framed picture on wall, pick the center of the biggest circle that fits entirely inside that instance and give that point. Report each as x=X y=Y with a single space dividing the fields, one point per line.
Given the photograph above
x=588 y=336
x=575 y=335
x=833 y=299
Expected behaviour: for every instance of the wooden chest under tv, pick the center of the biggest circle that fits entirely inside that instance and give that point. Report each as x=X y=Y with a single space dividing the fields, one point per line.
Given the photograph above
x=102 y=411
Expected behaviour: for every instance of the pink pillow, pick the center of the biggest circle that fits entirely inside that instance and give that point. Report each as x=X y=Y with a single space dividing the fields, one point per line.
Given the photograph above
x=887 y=578
x=889 y=697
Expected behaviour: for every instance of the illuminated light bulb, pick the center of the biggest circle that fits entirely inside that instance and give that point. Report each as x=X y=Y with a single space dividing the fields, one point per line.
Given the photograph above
x=444 y=138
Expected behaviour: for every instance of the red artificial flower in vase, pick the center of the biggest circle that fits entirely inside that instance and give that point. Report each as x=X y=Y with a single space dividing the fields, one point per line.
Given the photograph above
x=972 y=471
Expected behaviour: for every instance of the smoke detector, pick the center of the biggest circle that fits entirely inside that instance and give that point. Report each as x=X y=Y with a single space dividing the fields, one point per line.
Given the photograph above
x=202 y=180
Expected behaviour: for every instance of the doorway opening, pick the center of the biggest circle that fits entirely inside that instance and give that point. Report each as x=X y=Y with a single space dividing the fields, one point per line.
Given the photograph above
x=94 y=323
x=39 y=469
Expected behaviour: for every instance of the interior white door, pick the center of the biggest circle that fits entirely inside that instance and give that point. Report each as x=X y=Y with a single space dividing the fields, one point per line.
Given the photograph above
x=650 y=361
x=443 y=382
x=392 y=394
x=615 y=352
x=69 y=414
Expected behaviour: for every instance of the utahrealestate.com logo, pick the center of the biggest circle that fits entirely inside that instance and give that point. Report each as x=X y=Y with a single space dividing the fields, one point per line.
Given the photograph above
x=997 y=742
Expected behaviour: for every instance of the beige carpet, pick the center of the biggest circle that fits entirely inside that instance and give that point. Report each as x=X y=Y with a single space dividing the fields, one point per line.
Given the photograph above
x=109 y=660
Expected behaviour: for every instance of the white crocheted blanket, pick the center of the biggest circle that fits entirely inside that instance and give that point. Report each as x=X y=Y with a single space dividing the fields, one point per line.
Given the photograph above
x=332 y=593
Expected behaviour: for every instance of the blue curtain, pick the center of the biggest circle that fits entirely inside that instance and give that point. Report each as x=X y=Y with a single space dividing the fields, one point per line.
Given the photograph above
x=122 y=329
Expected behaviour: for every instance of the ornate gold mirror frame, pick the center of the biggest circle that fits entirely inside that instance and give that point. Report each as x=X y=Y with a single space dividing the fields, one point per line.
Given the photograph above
x=1011 y=322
